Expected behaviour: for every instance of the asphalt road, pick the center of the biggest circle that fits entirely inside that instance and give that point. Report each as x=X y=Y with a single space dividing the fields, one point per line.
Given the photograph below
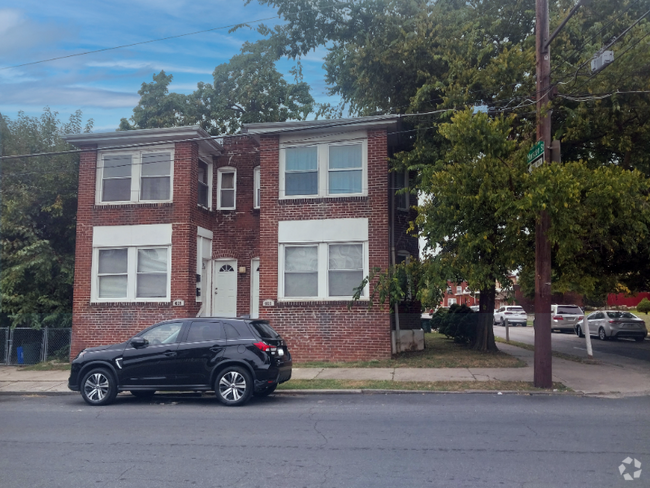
x=295 y=441
x=572 y=344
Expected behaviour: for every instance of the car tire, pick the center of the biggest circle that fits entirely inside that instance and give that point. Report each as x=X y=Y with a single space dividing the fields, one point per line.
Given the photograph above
x=234 y=386
x=579 y=332
x=98 y=387
x=266 y=391
x=639 y=339
x=143 y=393
x=601 y=334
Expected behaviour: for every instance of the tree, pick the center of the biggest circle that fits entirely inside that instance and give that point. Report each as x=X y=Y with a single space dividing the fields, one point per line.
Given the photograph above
x=247 y=89
x=37 y=219
x=644 y=306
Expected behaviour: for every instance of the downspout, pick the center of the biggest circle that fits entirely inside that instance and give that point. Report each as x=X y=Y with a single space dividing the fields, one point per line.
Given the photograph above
x=393 y=258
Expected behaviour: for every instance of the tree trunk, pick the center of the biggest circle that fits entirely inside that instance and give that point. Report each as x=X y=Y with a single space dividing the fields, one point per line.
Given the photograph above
x=484 y=332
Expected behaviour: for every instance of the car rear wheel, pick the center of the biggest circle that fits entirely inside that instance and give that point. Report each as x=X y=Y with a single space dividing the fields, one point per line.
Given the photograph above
x=601 y=334
x=579 y=332
x=98 y=387
x=233 y=386
x=266 y=391
x=142 y=393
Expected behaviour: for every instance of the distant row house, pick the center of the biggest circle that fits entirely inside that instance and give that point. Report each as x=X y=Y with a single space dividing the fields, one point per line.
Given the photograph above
x=281 y=222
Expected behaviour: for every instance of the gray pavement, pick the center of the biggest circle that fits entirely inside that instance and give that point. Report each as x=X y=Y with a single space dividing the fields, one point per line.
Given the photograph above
x=590 y=379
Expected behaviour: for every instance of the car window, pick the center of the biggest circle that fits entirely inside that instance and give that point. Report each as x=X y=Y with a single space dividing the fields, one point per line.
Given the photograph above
x=231 y=332
x=163 y=333
x=205 y=331
x=621 y=315
x=597 y=315
x=264 y=330
x=516 y=309
x=568 y=310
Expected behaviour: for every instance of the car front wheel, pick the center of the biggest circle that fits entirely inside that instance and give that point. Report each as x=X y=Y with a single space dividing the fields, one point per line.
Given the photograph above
x=233 y=386
x=98 y=387
x=601 y=334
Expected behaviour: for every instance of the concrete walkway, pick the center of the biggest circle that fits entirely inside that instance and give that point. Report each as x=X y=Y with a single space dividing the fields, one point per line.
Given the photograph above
x=602 y=378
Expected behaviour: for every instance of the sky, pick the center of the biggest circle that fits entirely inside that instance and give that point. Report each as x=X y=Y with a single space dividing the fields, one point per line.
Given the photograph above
x=104 y=85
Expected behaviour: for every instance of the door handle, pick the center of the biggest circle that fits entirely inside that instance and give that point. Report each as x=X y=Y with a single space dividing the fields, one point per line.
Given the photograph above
x=170 y=354
x=215 y=348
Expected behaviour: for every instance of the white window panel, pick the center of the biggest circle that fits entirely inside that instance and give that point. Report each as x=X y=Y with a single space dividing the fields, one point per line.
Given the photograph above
x=227 y=188
x=135 y=176
x=257 y=187
x=345 y=269
x=205 y=184
x=131 y=274
x=301 y=271
x=326 y=167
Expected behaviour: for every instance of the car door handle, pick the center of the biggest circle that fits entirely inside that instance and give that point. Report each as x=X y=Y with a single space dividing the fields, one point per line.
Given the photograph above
x=216 y=348
x=170 y=354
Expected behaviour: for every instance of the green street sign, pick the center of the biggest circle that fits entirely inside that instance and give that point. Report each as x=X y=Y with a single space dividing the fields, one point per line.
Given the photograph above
x=536 y=152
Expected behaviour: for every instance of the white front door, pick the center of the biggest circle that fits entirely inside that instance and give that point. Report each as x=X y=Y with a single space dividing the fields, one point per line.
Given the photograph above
x=224 y=288
x=255 y=288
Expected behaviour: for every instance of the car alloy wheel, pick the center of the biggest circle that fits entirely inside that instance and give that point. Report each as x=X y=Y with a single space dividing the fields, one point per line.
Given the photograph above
x=234 y=386
x=98 y=387
x=601 y=334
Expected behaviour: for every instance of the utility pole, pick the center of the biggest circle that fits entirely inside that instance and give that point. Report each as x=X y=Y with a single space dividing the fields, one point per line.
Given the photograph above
x=543 y=372
x=543 y=375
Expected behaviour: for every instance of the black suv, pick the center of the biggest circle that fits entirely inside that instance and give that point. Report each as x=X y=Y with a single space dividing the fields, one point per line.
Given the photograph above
x=234 y=357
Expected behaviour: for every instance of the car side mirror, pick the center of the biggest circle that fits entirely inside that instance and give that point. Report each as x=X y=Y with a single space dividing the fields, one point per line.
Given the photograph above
x=139 y=342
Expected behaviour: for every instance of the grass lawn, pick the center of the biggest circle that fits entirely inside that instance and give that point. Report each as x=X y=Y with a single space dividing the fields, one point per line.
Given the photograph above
x=439 y=352
x=523 y=386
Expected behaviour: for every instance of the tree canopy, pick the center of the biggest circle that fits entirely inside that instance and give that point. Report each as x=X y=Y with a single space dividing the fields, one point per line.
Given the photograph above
x=37 y=219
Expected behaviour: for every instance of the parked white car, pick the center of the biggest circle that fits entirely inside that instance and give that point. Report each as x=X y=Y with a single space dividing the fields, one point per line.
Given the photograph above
x=612 y=324
x=565 y=317
x=512 y=314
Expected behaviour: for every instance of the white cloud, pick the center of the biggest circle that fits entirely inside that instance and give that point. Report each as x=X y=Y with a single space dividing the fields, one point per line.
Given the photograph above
x=151 y=65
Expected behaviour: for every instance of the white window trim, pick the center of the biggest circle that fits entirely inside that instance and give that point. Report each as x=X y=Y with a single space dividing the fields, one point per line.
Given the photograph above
x=451 y=301
x=257 y=187
x=323 y=144
x=220 y=172
x=132 y=272
x=210 y=174
x=323 y=271
x=136 y=174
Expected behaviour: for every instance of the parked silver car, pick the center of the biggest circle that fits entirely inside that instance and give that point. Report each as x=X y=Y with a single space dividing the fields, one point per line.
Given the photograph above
x=614 y=324
x=565 y=317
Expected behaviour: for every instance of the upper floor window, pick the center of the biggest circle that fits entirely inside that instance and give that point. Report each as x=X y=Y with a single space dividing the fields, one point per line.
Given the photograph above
x=459 y=290
x=257 y=187
x=401 y=197
x=227 y=188
x=205 y=177
x=135 y=176
x=328 y=168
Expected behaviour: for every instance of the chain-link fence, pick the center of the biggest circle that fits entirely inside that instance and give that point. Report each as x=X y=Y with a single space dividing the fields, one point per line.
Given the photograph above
x=22 y=345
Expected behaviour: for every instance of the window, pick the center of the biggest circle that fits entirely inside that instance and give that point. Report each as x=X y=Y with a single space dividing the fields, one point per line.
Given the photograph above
x=163 y=333
x=401 y=180
x=137 y=176
x=205 y=195
x=257 y=187
x=227 y=188
x=459 y=290
x=334 y=168
x=451 y=301
x=322 y=259
x=129 y=274
x=206 y=331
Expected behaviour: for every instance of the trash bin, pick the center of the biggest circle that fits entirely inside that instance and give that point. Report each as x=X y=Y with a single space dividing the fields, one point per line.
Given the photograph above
x=20 y=359
x=31 y=353
x=426 y=325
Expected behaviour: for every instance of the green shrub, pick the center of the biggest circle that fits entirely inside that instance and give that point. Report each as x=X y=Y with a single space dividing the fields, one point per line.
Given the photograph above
x=458 y=323
x=644 y=306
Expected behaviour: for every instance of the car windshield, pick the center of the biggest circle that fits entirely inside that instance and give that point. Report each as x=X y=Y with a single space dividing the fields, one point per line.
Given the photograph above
x=621 y=315
x=569 y=310
x=265 y=330
x=515 y=309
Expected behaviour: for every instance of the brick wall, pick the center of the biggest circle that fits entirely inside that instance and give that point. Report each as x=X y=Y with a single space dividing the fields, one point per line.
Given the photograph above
x=326 y=330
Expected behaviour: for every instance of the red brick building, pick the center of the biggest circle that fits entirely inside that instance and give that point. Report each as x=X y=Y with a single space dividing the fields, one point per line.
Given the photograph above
x=280 y=222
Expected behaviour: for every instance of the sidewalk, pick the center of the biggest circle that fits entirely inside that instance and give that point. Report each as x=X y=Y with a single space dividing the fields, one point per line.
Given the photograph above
x=591 y=379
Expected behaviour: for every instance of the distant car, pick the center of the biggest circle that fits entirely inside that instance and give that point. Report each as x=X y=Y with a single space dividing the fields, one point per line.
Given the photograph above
x=475 y=308
x=234 y=357
x=512 y=315
x=565 y=317
x=613 y=324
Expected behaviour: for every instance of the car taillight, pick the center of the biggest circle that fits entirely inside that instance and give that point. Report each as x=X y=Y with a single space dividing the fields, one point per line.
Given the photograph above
x=580 y=318
x=263 y=346
x=557 y=317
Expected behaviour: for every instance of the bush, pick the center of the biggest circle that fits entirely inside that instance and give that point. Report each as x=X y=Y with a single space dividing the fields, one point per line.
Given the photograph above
x=458 y=323
x=644 y=306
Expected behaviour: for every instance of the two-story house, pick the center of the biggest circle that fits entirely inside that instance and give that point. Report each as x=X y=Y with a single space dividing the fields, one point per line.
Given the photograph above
x=281 y=222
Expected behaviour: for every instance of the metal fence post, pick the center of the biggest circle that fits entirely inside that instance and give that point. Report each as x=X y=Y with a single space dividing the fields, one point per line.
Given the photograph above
x=10 y=342
x=44 y=345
